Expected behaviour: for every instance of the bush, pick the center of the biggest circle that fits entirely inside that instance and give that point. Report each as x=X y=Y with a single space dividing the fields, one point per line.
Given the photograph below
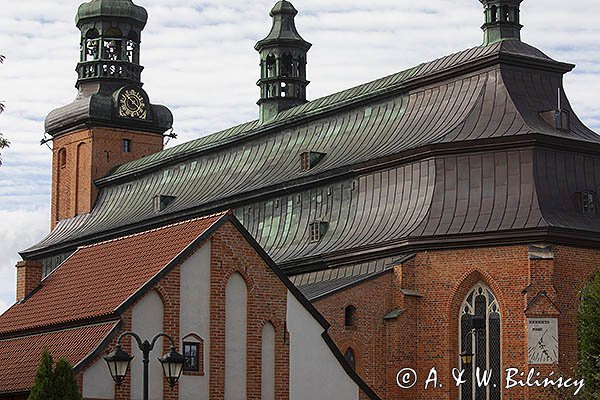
x=54 y=383
x=588 y=337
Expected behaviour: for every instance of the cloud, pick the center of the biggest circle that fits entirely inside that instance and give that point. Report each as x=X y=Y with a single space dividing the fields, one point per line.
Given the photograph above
x=200 y=62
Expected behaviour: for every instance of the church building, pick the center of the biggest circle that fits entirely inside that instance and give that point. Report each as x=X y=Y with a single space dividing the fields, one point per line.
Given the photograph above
x=440 y=219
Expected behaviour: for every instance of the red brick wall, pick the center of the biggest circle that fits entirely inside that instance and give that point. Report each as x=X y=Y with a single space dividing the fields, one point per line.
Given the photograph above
x=90 y=155
x=267 y=302
x=29 y=276
x=425 y=335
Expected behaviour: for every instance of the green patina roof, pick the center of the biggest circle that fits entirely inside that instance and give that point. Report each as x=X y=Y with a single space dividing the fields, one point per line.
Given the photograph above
x=111 y=8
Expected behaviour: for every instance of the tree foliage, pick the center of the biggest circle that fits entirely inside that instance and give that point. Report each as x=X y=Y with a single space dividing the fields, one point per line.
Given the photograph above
x=54 y=382
x=588 y=337
x=3 y=142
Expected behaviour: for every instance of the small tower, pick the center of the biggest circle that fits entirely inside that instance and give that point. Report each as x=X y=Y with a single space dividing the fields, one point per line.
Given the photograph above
x=502 y=20
x=111 y=120
x=282 y=64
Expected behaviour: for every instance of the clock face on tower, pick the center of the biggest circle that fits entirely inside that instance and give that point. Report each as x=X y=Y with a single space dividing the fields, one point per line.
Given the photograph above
x=543 y=340
x=132 y=104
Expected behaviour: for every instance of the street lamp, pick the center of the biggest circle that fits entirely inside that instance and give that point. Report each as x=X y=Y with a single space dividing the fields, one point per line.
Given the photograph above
x=478 y=324
x=119 y=360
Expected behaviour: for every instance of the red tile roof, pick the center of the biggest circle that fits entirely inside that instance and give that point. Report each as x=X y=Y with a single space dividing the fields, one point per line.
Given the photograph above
x=97 y=279
x=19 y=358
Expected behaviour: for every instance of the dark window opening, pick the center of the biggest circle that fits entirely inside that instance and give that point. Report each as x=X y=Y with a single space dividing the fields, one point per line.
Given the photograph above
x=287 y=64
x=350 y=358
x=494 y=14
x=270 y=66
x=586 y=202
x=349 y=316
x=126 y=146
x=505 y=14
x=62 y=158
x=191 y=352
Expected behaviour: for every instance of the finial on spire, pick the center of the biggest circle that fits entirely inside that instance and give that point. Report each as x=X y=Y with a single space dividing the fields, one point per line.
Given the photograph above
x=283 y=64
x=502 y=20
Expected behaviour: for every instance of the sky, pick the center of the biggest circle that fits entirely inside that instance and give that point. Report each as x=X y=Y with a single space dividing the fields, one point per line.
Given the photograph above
x=200 y=61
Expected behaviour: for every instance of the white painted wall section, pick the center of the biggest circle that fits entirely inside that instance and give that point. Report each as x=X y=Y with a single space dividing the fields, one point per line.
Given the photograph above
x=97 y=382
x=147 y=321
x=315 y=373
x=195 y=318
x=236 y=296
x=268 y=363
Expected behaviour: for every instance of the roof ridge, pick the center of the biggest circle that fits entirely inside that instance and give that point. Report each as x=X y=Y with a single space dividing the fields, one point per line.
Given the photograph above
x=219 y=214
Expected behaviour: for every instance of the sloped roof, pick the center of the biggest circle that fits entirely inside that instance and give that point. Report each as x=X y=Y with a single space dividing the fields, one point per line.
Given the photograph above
x=19 y=357
x=337 y=100
x=96 y=280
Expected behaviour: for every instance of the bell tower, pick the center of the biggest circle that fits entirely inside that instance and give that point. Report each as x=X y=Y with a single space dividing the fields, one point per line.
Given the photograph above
x=282 y=64
x=111 y=121
x=502 y=20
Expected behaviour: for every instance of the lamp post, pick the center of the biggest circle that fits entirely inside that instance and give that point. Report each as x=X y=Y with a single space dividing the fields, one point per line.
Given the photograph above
x=119 y=360
x=478 y=324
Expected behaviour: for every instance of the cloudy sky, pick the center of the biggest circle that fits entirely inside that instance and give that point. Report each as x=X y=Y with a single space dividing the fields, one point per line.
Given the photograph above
x=200 y=62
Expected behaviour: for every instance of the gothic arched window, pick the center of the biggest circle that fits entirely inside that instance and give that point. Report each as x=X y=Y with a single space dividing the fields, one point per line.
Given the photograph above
x=350 y=358
x=479 y=333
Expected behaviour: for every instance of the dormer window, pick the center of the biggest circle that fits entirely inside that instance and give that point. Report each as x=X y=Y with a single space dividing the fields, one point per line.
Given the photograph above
x=557 y=119
x=586 y=202
x=563 y=120
x=161 y=202
x=310 y=159
x=317 y=230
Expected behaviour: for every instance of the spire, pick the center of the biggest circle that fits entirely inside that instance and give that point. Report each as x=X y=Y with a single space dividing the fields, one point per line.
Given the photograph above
x=502 y=20
x=283 y=64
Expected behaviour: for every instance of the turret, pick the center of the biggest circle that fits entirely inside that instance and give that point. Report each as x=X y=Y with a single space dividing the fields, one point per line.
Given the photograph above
x=502 y=20
x=282 y=63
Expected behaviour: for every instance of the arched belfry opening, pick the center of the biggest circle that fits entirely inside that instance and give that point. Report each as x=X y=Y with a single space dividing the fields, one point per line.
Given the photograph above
x=283 y=64
x=501 y=20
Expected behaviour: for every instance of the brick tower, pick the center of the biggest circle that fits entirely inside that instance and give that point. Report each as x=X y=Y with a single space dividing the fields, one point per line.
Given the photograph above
x=111 y=120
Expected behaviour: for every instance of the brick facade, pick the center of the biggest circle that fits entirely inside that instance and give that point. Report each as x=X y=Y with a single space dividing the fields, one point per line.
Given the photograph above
x=428 y=291
x=267 y=302
x=82 y=157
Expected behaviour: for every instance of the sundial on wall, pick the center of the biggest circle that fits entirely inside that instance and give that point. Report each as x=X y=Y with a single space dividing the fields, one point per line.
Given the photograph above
x=543 y=340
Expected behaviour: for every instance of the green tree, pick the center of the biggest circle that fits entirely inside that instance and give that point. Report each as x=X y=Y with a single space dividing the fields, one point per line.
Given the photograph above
x=54 y=382
x=43 y=389
x=588 y=337
x=3 y=142
x=65 y=385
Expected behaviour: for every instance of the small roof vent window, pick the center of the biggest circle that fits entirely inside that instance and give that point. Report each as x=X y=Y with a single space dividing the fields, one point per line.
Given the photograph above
x=310 y=159
x=557 y=119
x=161 y=202
x=317 y=230
x=586 y=202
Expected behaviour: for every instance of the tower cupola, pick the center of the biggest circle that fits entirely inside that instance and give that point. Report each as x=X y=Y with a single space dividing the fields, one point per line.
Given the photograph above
x=502 y=20
x=283 y=55
x=110 y=40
